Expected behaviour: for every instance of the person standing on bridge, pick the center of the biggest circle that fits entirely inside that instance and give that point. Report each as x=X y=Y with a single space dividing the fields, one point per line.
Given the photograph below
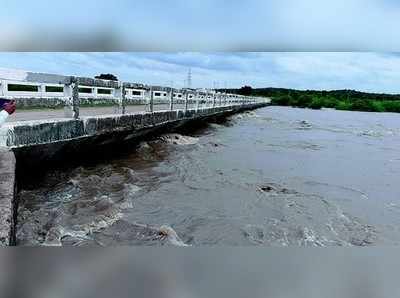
x=8 y=108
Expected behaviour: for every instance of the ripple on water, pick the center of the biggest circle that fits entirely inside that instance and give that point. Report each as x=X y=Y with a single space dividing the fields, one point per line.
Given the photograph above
x=307 y=220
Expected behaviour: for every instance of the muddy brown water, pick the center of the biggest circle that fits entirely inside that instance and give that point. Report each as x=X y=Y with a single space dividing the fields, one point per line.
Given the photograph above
x=276 y=176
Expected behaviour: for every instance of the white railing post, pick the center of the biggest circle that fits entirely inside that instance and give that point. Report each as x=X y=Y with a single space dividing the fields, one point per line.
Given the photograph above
x=197 y=101
x=42 y=90
x=171 y=100
x=121 y=97
x=71 y=94
x=186 y=100
x=151 y=99
x=75 y=97
x=2 y=88
x=68 y=113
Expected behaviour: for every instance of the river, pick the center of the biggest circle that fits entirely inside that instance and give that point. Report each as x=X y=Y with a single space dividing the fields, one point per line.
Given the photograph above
x=276 y=176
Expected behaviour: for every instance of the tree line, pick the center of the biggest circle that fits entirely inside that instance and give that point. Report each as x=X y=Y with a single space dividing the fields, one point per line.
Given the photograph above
x=339 y=99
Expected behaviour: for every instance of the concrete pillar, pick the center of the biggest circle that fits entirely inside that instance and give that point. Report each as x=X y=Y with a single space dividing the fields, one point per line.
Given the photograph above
x=171 y=99
x=3 y=88
x=121 y=97
x=42 y=90
x=8 y=204
x=75 y=98
x=71 y=94
x=151 y=99
x=197 y=96
x=68 y=101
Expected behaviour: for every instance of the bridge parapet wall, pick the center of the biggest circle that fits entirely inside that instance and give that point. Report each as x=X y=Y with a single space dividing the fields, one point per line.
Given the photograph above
x=29 y=133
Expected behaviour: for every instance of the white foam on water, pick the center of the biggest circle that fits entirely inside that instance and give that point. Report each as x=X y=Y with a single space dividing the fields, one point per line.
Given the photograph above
x=302 y=125
x=74 y=182
x=83 y=231
x=171 y=236
x=144 y=145
x=215 y=125
x=56 y=234
x=102 y=222
x=247 y=114
x=131 y=172
x=132 y=188
x=177 y=139
x=370 y=133
x=309 y=237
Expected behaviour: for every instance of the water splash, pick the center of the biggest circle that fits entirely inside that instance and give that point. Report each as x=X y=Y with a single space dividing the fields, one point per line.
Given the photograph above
x=177 y=139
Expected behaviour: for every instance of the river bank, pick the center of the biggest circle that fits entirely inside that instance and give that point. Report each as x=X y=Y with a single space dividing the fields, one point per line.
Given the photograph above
x=316 y=102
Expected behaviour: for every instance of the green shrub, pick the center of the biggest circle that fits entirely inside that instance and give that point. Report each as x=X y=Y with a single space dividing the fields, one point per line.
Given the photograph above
x=320 y=99
x=391 y=106
x=303 y=101
x=377 y=106
x=329 y=102
x=362 y=105
x=316 y=103
x=342 y=105
x=282 y=100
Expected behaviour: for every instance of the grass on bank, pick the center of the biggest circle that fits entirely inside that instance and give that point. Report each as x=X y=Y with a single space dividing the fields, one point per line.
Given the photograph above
x=318 y=102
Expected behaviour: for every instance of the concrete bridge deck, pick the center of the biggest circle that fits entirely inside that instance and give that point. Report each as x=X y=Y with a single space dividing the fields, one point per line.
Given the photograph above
x=19 y=134
x=42 y=114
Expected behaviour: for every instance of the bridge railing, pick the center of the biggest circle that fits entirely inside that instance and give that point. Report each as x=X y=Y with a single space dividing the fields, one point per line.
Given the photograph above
x=75 y=93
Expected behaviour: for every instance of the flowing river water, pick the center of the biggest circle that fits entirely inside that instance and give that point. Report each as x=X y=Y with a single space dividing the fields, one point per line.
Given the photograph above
x=276 y=176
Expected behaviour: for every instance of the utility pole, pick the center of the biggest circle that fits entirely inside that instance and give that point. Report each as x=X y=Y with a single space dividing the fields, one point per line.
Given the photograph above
x=189 y=78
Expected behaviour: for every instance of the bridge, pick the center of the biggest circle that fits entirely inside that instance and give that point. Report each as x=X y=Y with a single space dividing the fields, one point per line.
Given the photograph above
x=65 y=117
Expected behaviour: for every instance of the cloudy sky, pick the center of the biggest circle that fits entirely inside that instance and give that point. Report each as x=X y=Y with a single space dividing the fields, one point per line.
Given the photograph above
x=375 y=72
x=206 y=25
x=305 y=44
